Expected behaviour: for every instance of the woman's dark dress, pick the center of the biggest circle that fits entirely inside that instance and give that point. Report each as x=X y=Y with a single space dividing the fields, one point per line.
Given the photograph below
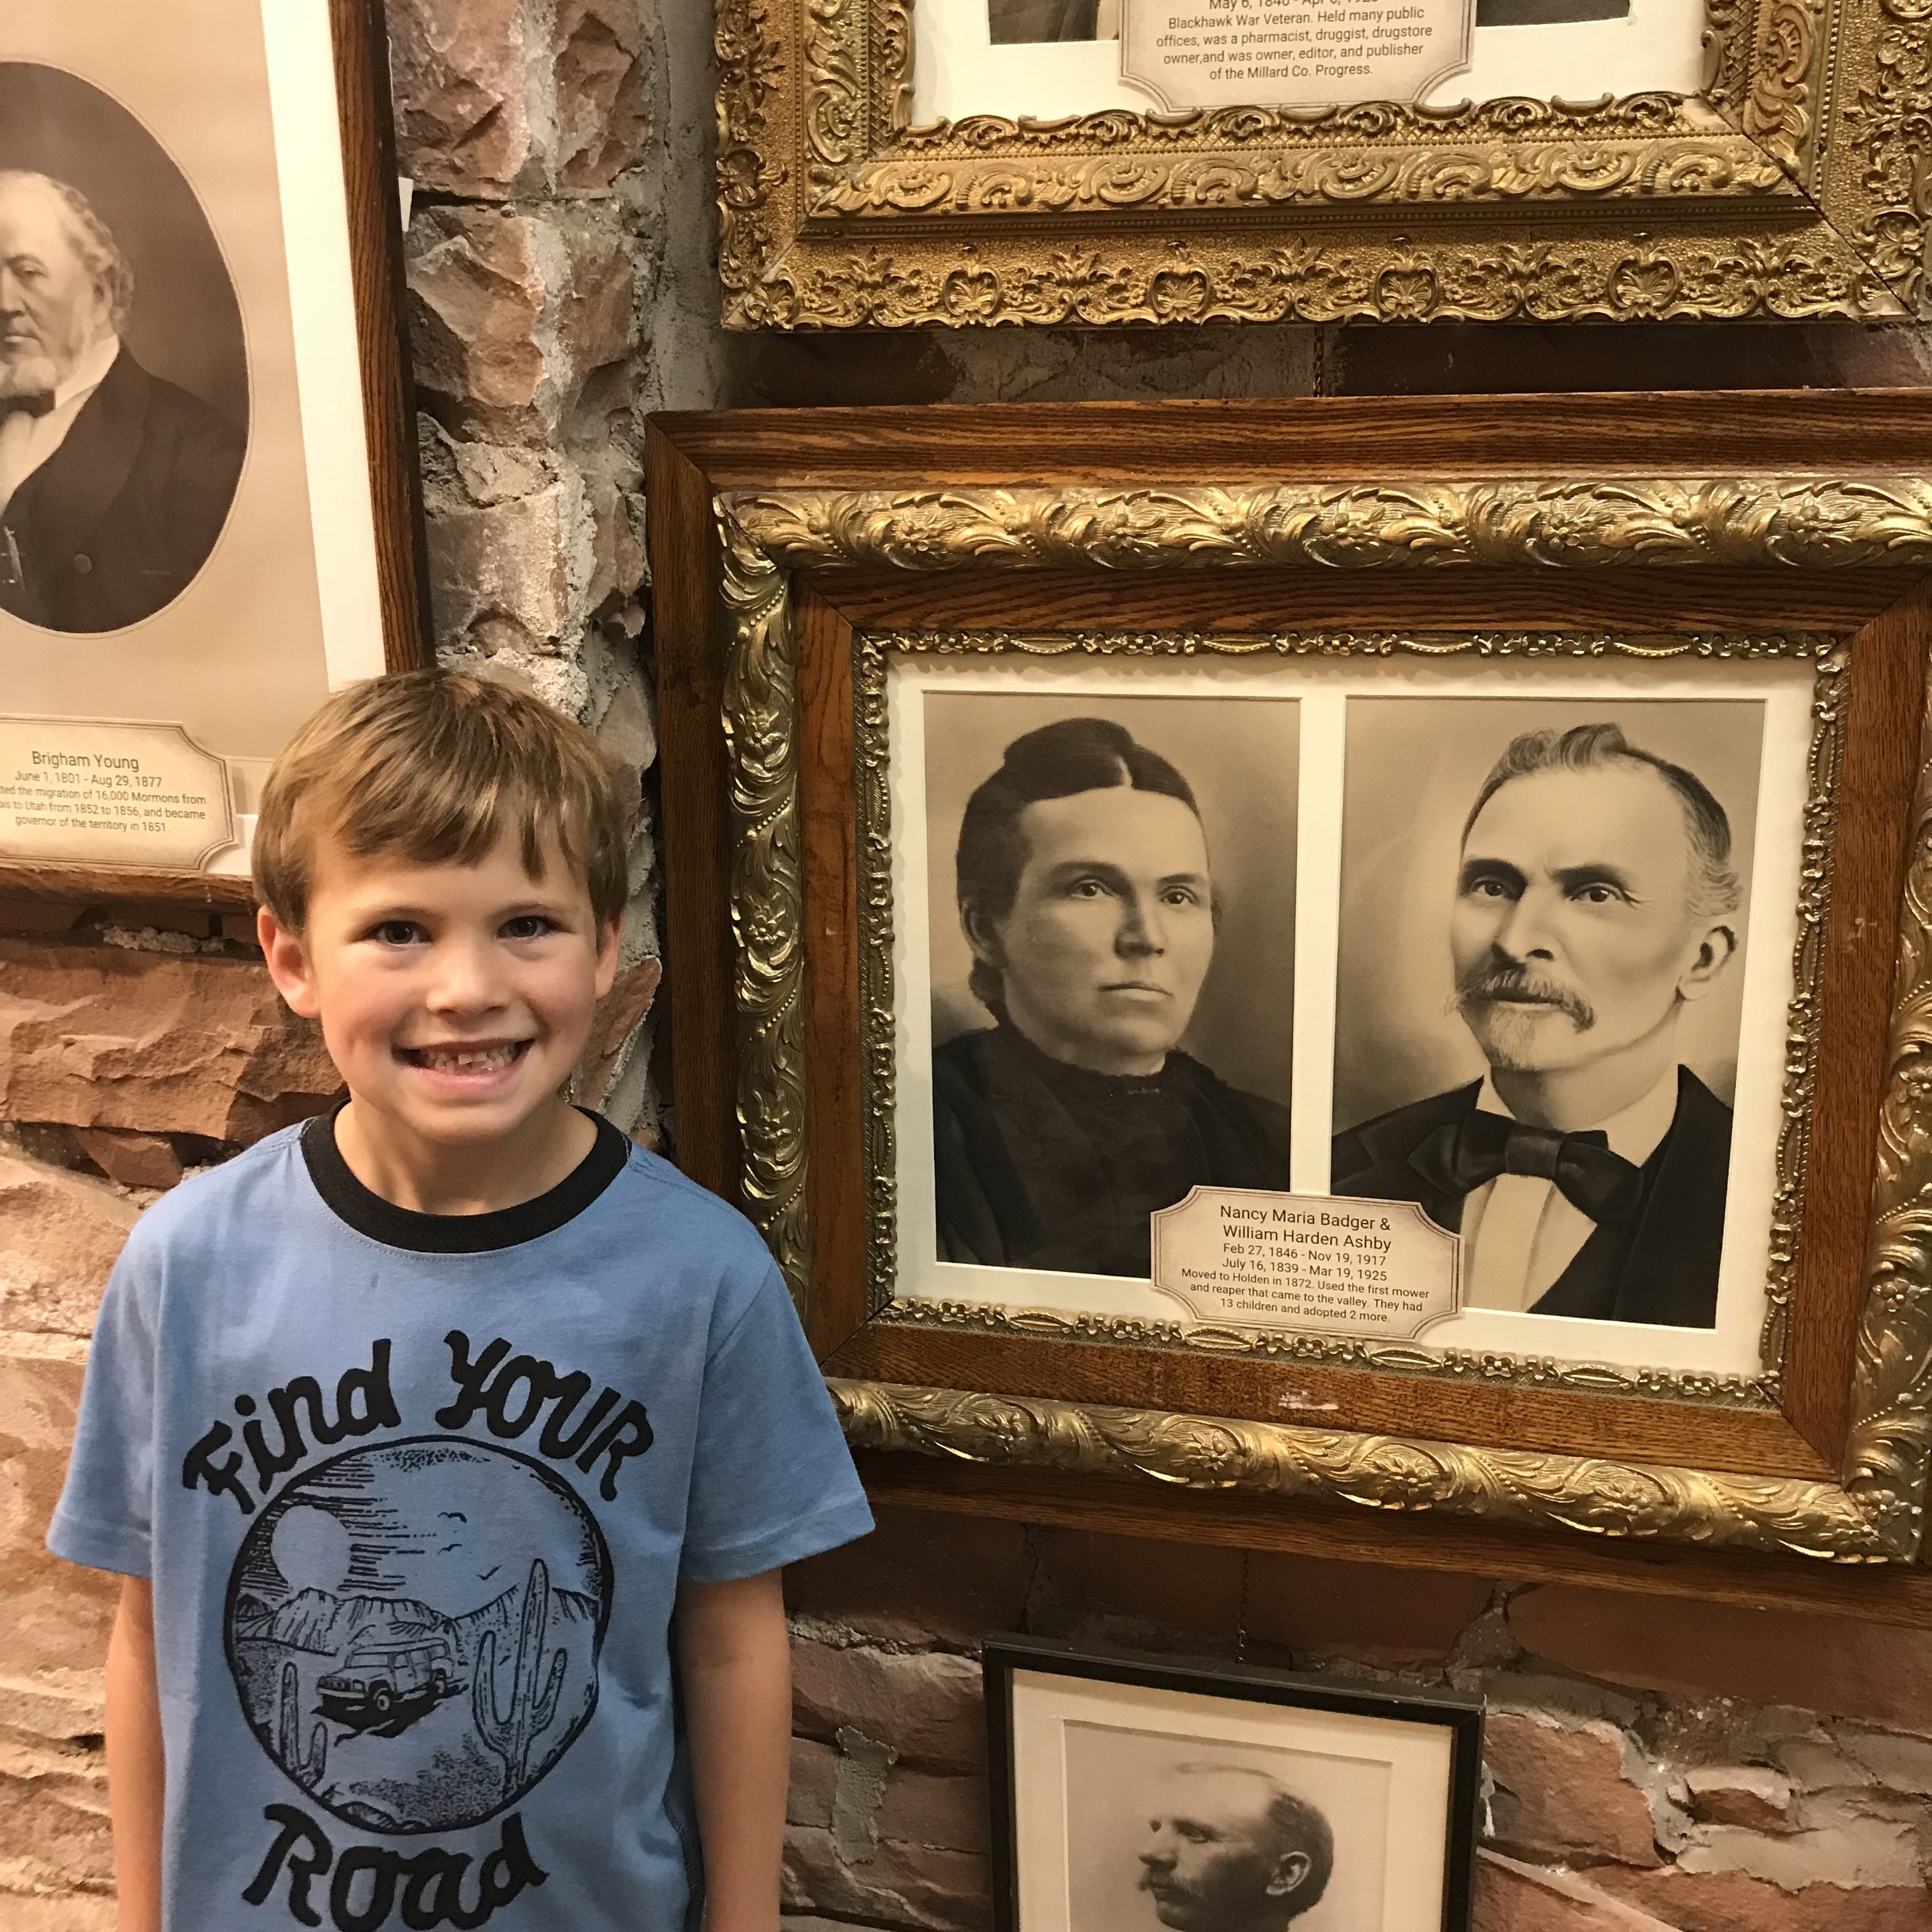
x=1039 y=1165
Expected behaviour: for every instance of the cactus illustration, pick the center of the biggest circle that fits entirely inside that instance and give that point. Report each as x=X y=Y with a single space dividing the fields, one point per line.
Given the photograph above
x=307 y=1771
x=510 y=1734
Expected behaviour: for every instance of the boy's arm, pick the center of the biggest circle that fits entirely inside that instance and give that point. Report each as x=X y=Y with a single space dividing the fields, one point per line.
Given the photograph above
x=134 y=1771
x=734 y=1662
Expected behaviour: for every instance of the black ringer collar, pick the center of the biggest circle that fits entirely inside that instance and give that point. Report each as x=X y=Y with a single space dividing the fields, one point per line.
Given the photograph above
x=368 y=1213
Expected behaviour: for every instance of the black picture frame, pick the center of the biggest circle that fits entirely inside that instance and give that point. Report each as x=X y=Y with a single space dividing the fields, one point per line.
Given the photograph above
x=1002 y=1657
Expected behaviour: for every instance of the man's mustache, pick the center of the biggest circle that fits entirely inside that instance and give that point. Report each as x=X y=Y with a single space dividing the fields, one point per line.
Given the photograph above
x=1483 y=984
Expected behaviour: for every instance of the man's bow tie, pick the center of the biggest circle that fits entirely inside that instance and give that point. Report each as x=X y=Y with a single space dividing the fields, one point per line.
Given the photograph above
x=1594 y=1181
x=39 y=405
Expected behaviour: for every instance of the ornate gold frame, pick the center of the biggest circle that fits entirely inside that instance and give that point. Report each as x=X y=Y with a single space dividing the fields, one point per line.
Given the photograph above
x=872 y=795
x=1794 y=185
x=1874 y=1511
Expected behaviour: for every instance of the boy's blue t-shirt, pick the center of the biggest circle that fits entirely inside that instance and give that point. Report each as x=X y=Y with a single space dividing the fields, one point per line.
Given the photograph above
x=416 y=1492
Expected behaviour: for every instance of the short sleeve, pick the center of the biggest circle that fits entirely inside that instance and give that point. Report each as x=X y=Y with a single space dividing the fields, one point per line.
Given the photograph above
x=104 y=1519
x=772 y=1481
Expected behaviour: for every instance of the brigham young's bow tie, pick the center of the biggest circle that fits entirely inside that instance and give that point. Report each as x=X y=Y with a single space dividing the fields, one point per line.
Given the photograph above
x=1593 y=1179
x=41 y=404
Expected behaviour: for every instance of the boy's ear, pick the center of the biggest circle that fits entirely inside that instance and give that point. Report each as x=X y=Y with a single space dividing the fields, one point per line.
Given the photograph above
x=608 y=936
x=288 y=964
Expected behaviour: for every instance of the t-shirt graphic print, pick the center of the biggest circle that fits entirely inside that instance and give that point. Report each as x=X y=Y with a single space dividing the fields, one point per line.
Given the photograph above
x=439 y=1555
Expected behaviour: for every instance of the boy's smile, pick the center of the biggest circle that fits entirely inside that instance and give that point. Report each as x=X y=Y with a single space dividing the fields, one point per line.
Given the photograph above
x=454 y=1001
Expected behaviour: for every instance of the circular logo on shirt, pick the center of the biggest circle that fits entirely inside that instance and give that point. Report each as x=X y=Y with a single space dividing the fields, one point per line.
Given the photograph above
x=414 y=1630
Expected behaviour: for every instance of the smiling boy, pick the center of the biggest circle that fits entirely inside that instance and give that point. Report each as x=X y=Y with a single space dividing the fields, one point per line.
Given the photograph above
x=421 y=1433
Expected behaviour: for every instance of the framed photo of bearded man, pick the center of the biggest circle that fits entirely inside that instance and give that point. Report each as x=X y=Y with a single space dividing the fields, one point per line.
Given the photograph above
x=208 y=514
x=1557 y=955
x=1607 y=707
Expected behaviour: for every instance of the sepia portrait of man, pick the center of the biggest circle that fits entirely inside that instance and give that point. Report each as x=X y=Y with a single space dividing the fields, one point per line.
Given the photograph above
x=1087 y=895
x=1596 y=901
x=1229 y=1849
x=114 y=483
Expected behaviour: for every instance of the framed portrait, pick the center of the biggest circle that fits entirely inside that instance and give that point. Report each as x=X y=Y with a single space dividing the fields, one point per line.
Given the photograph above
x=1135 y=1793
x=1360 y=955
x=207 y=510
x=1080 y=162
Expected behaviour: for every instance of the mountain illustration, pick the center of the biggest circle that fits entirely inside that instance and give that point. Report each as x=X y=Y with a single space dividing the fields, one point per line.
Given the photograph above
x=318 y=1621
x=569 y=1614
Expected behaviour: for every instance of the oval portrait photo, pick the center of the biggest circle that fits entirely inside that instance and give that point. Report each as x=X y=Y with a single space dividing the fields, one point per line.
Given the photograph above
x=124 y=375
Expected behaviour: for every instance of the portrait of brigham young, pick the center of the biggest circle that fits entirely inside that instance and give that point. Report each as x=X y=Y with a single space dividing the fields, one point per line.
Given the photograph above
x=114 y=484
x=1087 y=897
x=1586 y=1171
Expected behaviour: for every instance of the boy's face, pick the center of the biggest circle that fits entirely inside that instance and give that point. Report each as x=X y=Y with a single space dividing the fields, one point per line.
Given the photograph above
x=455 y=1000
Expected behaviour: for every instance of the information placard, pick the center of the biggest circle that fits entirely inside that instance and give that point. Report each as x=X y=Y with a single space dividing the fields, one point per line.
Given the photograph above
x=1292 y=53
x=1238 y=1258
x=81 y=792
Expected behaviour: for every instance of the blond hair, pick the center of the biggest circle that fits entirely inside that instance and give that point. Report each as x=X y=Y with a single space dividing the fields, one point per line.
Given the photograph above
x=436 y=766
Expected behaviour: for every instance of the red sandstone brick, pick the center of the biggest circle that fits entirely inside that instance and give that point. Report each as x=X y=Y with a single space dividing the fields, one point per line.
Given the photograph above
x=815 y=1775
x=1830 y=1664
x=927 y=1707
x=1562 y=1794
x=135 y=1160
x=924 y=1807
x=920 y=1577
x=919 y=1887
x=1512 y=1897
x=1735 y=1902
x=1394 y=1619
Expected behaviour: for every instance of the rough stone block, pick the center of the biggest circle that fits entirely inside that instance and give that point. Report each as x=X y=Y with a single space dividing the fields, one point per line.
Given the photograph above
x=134 y=1160
x=512 y=312
x=619 y=1014
x=476 y=304
x=1392 y=1618
x=100 y=1036
x=1562 y=1793
x=1735 y=1902
x=60 y=1235
x=598 y=69
x=924 y=1807
x=53 y=1815
x=69 y=1912
x=456 y=74
x=498 y=96
x=55 y=1616
x=1750 y=1795
x=920 y=1888
x=1513 y=1897
x=1832 y=1664
x=815 y=1778
x=921 y=1577
x=927 y=1707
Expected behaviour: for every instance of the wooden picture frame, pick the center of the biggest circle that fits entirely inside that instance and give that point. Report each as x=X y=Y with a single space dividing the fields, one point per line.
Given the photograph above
x=1376 y=1764
x=318 y=570
x=787 y=548
x=1781 y=185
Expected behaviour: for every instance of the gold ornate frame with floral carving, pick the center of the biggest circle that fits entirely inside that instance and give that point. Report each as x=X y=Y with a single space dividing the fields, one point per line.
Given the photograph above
x=1793 y=185
x=791 y=549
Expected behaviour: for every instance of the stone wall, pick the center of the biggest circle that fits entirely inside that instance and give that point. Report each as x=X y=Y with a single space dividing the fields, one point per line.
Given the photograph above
x=1651 y=1764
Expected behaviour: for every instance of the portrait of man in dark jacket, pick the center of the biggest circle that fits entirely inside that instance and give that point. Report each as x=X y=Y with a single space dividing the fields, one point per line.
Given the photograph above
x=1086 y=895
x=114 y=483
x=1595 y=900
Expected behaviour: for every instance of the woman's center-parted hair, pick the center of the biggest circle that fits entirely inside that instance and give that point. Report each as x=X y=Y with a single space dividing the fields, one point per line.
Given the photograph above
x=435 y=767
x=1057 y=760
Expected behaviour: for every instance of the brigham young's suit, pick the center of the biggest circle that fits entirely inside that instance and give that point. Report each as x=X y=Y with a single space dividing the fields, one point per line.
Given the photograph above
x=115 y=523
x=1653 y=1254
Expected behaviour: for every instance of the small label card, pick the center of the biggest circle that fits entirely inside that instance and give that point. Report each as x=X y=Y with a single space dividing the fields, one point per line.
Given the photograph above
x=1291 y=53
x=77 y=792
x=1235 y=1258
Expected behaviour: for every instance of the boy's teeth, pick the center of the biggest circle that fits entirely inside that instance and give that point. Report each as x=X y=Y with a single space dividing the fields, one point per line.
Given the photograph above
x=485 y=1059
